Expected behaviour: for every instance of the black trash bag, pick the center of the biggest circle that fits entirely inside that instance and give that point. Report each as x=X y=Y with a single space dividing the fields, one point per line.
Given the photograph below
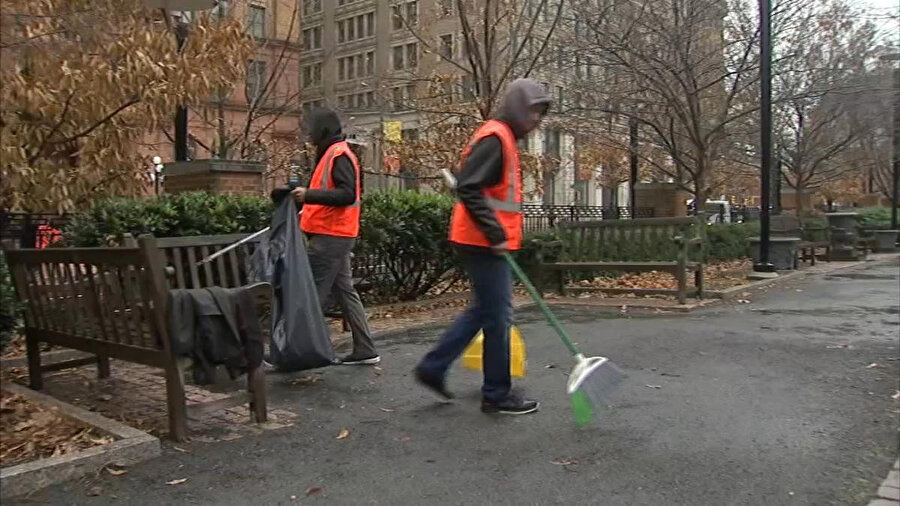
x=299 y=336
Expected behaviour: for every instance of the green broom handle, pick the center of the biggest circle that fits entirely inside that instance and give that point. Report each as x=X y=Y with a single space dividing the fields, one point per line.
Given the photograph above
x=541 y=304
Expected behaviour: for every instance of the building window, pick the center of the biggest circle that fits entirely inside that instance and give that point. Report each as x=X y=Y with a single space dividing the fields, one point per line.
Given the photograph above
x=311 y=7
x=312 y=75
x=445 y=8
x=356 y=27
x=370 y=63
x=312 y=38
x=222 y=9
x=406 y=56
x=403 y=97
x=256 y=21
x=447 y=46
x=469 y=87
x=404 y=14
x=312 y=104
x=256 y=81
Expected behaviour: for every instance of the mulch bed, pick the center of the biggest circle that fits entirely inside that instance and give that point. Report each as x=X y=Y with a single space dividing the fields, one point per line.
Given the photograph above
x=29 y=431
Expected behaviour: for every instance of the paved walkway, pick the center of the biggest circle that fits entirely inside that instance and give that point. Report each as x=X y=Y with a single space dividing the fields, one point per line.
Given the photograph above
x=772 y=402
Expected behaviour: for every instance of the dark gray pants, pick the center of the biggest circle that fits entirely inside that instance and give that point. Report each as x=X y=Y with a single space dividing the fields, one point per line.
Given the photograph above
x=329 y=259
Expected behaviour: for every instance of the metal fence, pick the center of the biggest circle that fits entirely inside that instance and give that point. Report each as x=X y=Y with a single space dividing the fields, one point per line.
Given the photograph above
x=539 y=217
x=31 y=230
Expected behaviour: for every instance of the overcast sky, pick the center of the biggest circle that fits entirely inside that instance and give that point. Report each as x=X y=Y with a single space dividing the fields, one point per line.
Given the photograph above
x=881 y=12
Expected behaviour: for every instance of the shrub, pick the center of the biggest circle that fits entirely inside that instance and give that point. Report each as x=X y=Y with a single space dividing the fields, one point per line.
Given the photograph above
x=875 y=218
x=404 y=244
x=184 y=214
x=730 y=241
x=9 y=306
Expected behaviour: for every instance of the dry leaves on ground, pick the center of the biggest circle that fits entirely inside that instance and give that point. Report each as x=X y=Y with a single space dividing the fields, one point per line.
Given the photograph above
x=29 y=431
x=717 y=276
x=343 y=434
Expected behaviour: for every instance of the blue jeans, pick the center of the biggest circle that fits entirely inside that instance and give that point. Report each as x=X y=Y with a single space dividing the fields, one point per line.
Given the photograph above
x=491 y=311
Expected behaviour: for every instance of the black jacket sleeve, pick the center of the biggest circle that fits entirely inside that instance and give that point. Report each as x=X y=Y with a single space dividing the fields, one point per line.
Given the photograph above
x=483 y=168
x=344 y=192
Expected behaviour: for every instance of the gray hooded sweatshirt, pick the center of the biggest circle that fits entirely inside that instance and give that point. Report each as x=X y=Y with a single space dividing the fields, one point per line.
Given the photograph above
x=484 y=165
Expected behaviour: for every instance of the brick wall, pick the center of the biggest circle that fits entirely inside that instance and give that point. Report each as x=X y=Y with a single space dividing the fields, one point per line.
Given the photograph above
x=215 y=176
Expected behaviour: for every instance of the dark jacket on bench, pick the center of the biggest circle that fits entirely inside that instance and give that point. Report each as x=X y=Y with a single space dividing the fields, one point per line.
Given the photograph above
x=215 y=326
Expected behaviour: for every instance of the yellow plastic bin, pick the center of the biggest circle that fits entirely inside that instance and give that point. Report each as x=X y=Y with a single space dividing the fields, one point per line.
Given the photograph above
x=472 y=357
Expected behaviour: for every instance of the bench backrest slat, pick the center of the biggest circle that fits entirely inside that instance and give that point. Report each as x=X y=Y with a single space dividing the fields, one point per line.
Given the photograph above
x=646 y=239
x=228 y=270
x=92 y=294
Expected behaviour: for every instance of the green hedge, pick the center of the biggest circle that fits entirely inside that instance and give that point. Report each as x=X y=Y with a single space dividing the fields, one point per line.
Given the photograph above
x=180 y=215
x=403 y=236
x=730 y=241
x=874 y=218
x=403 y=232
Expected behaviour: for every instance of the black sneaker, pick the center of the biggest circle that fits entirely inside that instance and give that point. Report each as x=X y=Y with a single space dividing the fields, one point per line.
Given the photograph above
x=436 y=385
x=354 y=360
x=512 y=405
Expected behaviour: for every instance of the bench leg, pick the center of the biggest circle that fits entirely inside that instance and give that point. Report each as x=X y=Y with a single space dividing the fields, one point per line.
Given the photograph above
x=561 y=282
x=102 y=367
x=698 y=281
x=176 y=402
x=35 y=376
x=681 y=275
x=812 y=256
x=256 y=385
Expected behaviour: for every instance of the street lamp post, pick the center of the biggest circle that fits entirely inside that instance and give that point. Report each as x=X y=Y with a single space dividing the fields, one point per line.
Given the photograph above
x=156 y=173
x=181 y=113
x=764 y=268
x=896 y=140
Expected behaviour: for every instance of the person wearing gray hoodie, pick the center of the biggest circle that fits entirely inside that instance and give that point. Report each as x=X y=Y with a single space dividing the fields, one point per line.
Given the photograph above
x=485 y=225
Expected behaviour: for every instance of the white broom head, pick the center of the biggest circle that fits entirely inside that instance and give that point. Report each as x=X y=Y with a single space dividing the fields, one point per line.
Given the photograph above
x=595 y=376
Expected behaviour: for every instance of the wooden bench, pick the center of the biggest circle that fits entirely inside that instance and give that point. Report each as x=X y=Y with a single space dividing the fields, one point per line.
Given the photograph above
x=112 y=303
x=673 y=245
x=812 y=238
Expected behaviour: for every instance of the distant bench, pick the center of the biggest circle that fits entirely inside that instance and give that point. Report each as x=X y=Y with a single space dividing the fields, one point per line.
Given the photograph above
x=673 y=245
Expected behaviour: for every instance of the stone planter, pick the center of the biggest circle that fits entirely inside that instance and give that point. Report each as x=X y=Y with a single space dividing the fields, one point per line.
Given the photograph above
x=844 y=236
x=782 y=251
x=886 y=241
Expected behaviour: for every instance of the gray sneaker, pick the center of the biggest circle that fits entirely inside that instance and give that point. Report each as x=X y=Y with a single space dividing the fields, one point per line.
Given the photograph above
x=353 y=360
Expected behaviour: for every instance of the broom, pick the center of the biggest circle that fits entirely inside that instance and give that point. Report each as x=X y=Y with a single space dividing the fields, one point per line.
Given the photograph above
x=592 y=377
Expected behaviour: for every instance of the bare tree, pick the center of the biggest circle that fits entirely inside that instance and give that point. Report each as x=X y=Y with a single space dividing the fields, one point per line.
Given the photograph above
x=459 y=83
x=685 y=70
x=820 y=87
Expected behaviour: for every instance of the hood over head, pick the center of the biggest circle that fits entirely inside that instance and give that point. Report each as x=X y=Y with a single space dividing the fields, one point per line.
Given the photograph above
x=323 y=127
x=520 y=96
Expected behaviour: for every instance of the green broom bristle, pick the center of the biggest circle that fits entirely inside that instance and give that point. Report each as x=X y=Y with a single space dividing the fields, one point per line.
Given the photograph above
x=582 y=409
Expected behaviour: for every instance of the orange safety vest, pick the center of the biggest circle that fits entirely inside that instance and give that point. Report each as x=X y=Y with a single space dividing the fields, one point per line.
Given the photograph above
x=505 y=198
x=329 y=220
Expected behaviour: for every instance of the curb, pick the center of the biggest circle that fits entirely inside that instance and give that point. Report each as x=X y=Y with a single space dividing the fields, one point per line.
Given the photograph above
x=131 y=447
x=889 y=491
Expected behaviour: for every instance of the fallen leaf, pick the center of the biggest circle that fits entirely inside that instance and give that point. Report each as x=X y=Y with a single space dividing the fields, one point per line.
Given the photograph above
x=873 y=365
x=896 y=396
x=550 y=366
x=402 y=439
x=313 y=490
x=182 y=450
x=293 y=498
x=104 y=397
x=743 y=301
x=836 y=346
x=116 y=470
x=343 y=434
x=176 y=482
x=387 y=410
x=564 y=461
x=95 y=491
x=653 y=386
